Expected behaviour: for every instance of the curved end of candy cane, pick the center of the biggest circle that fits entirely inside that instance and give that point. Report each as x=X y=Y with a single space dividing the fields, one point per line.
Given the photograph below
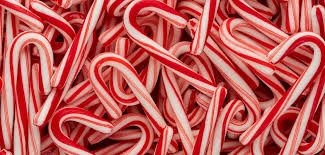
x=79 y=115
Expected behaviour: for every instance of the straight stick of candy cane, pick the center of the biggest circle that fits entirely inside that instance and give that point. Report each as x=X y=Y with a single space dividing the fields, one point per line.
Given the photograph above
x=307 y=111
x=305 y=15
x=143 y=144
x=210 y=120
x=10 y=73
x=257 y=148
x=303 y=82
x=164 y=141
x=318 y=20
x=292 y=16
x=34 y=134
x=78 y=115
x=23 y=14
x=22 y=100
x=77 y=51
x=205 y=23
x=155 y=50
x=181 y=120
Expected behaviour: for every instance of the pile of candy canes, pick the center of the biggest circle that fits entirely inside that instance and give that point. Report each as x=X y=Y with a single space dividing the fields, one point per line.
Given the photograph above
x=162 y=77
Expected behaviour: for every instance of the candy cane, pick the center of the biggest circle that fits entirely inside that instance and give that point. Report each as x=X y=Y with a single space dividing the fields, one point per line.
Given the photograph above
x=10 y=72
x=76 y=55
x=206 y=19
x=318 y=19
x=318 y=143
x=306 y=113
x=21 y=107
x=150 y=73
x=164 y=141
x=292 y=16
x=208 y=125
x=157 y=51
x=128 y=73
x=34 y=134
x=290 y=115
x=305 y=22
x=143 y=144
x=78 y=115
x=292 y=94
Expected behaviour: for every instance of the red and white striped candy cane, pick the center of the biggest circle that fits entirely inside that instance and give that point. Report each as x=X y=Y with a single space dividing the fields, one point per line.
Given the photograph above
x=132 y=78
x=71 y=63
x=206 y=131
x=317 y=144
x=307 y=111
x=205 y=23
x=14 y=7
x=318 y=20
x=155 y=50
x=143 y=144
x=78 y=115
x=84 y=88
x=292 y=16
x=305 y=15
x=164 y=141
x=34 y=133
x=10 y=73
x=21 y=106
x=150 y=72
x=257 y=148
x=303 y=82
x=280 y=127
